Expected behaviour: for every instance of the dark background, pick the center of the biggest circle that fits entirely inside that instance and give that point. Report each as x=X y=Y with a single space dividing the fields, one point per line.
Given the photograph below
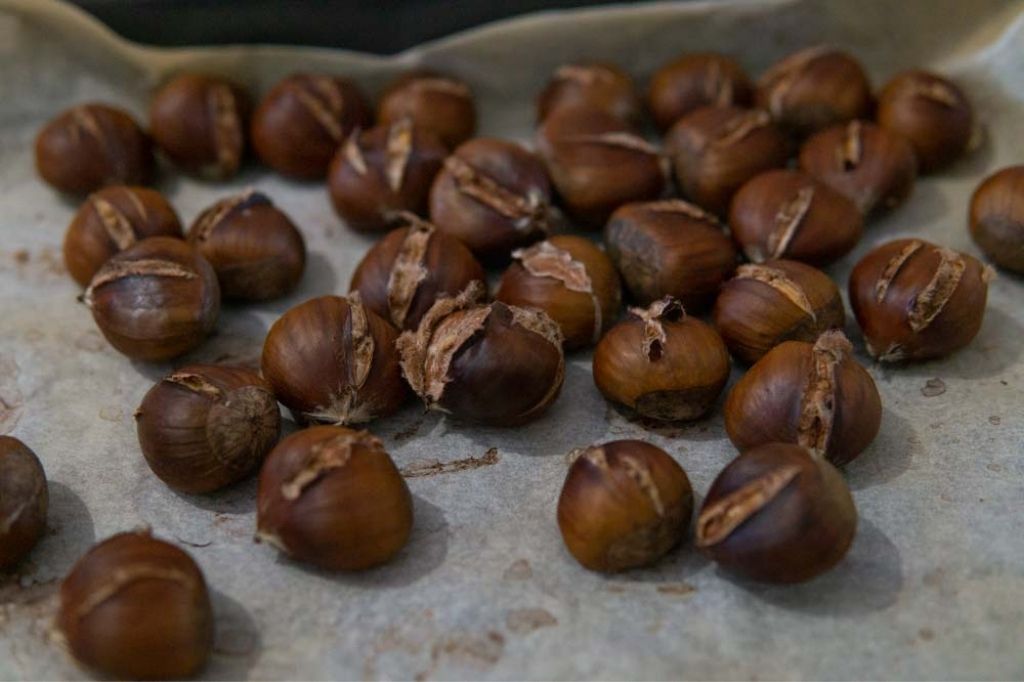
x=381 y=26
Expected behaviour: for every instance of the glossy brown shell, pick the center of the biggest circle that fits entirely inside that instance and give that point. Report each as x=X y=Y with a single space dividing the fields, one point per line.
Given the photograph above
x=433 y=101
x=997 y=218
x=24 y=501
x=696 y=80
x=593 y=85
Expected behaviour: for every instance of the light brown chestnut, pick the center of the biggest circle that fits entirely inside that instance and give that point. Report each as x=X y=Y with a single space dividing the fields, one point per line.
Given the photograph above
x=997 y=217
x=916 y=301
x=697 y=80
x=24 y=501
x=594 y=85
x=624 y=504
x=661 y=363
x=435 y=102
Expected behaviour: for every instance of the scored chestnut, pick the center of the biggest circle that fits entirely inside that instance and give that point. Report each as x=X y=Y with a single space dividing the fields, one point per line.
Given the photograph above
x=604 y=87
x=495 y=364
x=156 y=300
x=253 y=246
x=815 y=395
x=697 y=80
x=624 y=504
x=332 y=497
x=24 y=501
x=766 y=304
x=110 y=221
x=204 y=427
x=997 y=217
x=916 y=301
x=661 y=363
x=435 y=102
x=777 y=514
x=570 y=279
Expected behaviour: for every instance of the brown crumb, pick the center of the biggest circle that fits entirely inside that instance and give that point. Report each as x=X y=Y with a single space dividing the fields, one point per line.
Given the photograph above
x=933 y=387
x=434 y=467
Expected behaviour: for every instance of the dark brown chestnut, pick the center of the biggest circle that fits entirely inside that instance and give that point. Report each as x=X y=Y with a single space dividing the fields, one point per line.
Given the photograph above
x=916 y=301
x=253 y=246
x=604 y=87
x=766 y=304
x=404 y=273
x=198 y=121
x=24 y=501
x=110 y=221
x=332 y=497
x=434 y=102
x=788 y=214
x=997 y=217
x=303 y=120
x=572 y=280
x=815 y=395
x=697 y=80
x=661 y=363
x=331 y=360
x=156 y=300
x=714 y=150
x=204 y=427
x=490 y=363
x=777 y=514
x=624 y=504
x=91 y=146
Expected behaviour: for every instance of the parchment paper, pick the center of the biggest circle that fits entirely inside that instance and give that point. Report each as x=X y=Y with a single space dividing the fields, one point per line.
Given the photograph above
x=934 y=584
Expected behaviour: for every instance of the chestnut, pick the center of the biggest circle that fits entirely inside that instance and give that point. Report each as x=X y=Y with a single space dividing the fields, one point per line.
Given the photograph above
x=661 y=363
x=24 y=501
x=495 y=364
x=331 y=360
x=932 y=113
x=670 y=248
x=253 y=246
x=91 y=146
x=441 y=104
x=332 y=497
x=406 y=271
x=204 y=427
x=156 y=300
x=869 y=165
x=697 y=80
x=136 y=607
x=815 y=395
x=570 y=279
x=111 y=220
x=303 y=120
x=492 y=195
x=766 y=304
x=597 y=163
x=623 y=505
x=777 y=514
x=379 y=173
x=997 y=217
x=815 y=88
x=198 y=121
x=600 y=86
x=788 y=214
x=714 y=150
x=916 y=301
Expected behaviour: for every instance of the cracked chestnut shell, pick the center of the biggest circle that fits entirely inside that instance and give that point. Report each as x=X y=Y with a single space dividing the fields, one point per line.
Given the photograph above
x=136 y=607
x=24 y=501
x=777 y=514
x=91 y=146
x=332 y=497
x=600 y=86
x=198 y=121
x=814 y=88
x=332 y=360
x=407 y=270
x=997 y=218
x=379 y=173
x=766 y=304
x=714 y=150
x=111 y=220
x=156 y=300
x=931 y=113
x=815 y=395
x=787 y=214
x=572 y=280
x=661 y=363
x=204 y=427
x=303 y=120
x=697 y=80
x=253 y=246
x=492 y=363
x=670 y=248
x=435 y=102
x=916 y=301
x=624 y=504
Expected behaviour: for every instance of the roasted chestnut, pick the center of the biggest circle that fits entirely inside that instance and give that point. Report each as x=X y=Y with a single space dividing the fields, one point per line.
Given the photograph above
x=604 y=87
x=997 y=218
x=24 y=501
x=697 y=80
x=434 y=102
